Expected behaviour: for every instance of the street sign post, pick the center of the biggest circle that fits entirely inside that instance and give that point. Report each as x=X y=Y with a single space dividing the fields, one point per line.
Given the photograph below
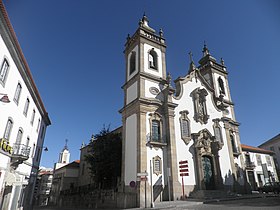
x=184 y=169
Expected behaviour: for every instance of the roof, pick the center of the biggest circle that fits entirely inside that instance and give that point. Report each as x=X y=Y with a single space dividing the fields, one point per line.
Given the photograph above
x=74 y=164
x=275 y=138
x=255 y=149
x=26 y=70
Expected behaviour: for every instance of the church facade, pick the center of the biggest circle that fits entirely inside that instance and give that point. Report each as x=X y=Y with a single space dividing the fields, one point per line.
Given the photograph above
x=182 y=139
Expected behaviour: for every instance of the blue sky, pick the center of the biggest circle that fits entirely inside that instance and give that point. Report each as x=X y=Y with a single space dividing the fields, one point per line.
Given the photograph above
x=75 y=53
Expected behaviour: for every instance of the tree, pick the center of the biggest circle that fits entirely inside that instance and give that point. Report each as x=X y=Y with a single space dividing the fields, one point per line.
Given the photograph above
x=105 y=158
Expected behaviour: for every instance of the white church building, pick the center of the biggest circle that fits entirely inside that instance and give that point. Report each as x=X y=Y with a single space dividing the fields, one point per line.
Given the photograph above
x=185 y=139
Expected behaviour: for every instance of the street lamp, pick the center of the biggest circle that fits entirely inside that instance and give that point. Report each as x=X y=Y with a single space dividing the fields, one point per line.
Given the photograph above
x=5 y=98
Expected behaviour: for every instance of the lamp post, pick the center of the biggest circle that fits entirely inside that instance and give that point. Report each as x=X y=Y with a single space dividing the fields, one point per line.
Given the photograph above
x=5 y=98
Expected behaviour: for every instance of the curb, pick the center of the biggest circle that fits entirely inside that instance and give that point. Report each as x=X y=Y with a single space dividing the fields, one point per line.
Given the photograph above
x=238 y=198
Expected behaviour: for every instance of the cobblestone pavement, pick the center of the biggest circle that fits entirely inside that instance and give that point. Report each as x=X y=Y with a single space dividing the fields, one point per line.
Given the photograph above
x=266 y=202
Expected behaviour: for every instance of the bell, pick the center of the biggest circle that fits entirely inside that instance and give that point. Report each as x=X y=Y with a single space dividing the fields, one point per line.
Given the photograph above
x=5 y=99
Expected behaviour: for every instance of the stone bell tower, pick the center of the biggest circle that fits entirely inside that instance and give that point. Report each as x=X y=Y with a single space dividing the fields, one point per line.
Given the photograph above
x=146 y=116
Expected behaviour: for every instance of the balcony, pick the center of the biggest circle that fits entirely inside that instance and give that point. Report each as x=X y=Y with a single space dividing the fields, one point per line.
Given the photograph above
x=20 y=153
x=155 y=141
x=249 y=165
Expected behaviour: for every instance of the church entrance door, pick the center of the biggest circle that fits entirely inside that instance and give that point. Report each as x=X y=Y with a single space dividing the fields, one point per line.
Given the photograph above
x=208 y=172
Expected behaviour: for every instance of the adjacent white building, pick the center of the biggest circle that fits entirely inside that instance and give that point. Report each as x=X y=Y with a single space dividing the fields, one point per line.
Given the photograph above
x=273 y=145
x=185 y=137
x=23 y=122
x=259 y=166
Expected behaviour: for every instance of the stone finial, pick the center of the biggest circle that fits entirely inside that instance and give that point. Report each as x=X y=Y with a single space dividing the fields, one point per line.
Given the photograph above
x=205 y=50
x=92 y=138
x=128 y=37
x=191 y=58
x=222 y=61
x=192 y=66
x=169 y=78
x=160 y=32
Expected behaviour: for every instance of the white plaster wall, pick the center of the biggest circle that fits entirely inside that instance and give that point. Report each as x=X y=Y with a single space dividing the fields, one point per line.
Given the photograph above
x=132 y=93
x=136 y=63
x=151 y=153
x=148 y=94
x=184 y=152
x=276 y=149
x=130 y=148
x=158 y=72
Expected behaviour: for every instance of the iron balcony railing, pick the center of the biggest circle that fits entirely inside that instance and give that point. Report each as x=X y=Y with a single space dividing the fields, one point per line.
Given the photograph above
x=249 y=164
x=21 y=151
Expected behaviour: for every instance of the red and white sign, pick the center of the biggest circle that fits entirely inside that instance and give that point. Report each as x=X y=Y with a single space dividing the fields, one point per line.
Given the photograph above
x=184 y=168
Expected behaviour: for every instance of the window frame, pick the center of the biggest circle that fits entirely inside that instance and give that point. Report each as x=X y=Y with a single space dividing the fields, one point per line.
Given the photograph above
x=19 y=136
x=17 y=93
x=8 y=129
x=132 y=60
x=26 y=107
x=153 y=54
x=184 y=117
x=33 y=117
x=4 y=71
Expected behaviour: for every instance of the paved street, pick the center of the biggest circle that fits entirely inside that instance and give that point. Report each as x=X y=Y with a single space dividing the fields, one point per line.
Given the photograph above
x=266 y=203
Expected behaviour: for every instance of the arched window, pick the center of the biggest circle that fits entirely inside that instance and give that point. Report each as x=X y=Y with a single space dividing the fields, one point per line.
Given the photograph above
x=26 y=106
x=27 y=141
x=4 y=71
x=19 y=136
x=233 y=144
x=33 y=117
x=132 y=62
x=221 y=86
x=17 y=93
x=8 y=129
x=155 y=130
x=153 y=59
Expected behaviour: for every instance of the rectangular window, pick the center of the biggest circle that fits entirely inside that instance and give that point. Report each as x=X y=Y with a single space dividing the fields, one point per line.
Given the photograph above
x=268 y=160
x=38 y=126
x=4 y=71
x=27 y=141
x=233 y=145
x=32 y=117
x=259 y=159
x=155 y=130
x=17 y=93
x=26 y=107
x=8 y=129
x=272 y=148
x=185 y=128
x=218 y=134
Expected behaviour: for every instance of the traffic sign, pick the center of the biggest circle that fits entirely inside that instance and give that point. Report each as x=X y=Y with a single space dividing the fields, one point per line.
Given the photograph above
x=183 y=162
x=184 y=170
x=183 y=166
x=142 y=174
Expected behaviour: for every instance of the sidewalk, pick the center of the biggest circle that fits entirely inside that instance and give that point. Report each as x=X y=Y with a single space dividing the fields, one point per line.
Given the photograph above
x=177 y=204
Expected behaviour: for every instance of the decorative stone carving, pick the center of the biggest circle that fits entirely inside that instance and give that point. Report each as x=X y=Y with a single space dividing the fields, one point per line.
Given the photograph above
x=185 y=127
x=200 y=110
x=154 y=90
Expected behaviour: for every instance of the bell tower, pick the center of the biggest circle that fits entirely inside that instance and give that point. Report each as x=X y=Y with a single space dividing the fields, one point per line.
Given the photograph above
x=146 y=114
x=216 y=76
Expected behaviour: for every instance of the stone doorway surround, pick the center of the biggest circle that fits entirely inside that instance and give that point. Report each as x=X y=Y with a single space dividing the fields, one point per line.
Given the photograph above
x=206 y=145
